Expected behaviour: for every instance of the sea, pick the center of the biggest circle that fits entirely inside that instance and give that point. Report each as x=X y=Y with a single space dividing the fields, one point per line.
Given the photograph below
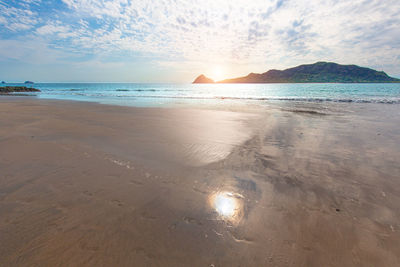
x=160 y=94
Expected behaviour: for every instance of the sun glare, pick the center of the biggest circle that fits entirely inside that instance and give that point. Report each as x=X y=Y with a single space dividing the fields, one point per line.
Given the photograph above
x=225 y=204
x=228 y=205
x=218 y=73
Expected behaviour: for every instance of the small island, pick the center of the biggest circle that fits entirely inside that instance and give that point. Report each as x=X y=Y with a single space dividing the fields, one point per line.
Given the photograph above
x=320 y=72
x=29 y=82
x=17 y=89
x=203 y=79
x=3 y=82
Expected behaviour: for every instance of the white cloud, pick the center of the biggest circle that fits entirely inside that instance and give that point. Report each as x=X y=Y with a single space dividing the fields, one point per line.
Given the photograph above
x=19 y=26
x=61 y=30
x=3 y=20
x=242 y=35
x=241 y=30
x=29 y=51
x=17 y=19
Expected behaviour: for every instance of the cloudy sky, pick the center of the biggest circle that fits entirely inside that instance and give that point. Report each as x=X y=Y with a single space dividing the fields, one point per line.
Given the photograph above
x=174 y=41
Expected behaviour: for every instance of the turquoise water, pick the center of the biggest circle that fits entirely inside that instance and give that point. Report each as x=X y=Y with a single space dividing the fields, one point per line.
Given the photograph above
x=134 y=94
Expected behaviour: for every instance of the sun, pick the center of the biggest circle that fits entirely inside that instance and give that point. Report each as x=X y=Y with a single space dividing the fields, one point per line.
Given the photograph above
x=218 y=73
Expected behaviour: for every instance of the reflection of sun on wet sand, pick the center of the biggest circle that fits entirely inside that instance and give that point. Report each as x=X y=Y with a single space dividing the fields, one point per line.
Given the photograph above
x=225 y=204
x=228 y=205
x=286 y=185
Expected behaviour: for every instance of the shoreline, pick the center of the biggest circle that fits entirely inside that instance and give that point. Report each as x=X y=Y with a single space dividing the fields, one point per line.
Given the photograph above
x=155 y=95
x=95 y=184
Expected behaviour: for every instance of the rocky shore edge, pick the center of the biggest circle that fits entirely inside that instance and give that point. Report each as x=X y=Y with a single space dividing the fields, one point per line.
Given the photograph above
x=17 y=89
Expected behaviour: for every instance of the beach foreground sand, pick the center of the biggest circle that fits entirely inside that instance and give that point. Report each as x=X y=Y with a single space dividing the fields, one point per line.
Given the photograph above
x=283 y=185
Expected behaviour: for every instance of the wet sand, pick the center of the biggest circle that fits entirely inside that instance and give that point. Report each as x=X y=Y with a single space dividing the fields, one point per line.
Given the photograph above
x=282 y=185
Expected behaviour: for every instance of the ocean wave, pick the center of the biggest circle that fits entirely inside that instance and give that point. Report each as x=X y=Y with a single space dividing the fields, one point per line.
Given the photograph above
x=149 y=90
x=298 y=99
x=392 y=100
x=137 y=90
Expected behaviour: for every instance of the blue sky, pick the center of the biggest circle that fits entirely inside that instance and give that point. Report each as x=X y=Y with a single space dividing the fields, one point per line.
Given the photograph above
x=174 y=41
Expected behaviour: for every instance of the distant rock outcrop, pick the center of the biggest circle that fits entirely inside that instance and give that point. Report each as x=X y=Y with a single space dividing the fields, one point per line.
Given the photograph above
x=203 y=79
x=17 y=89
x=3 y=82
x=320 y=72
x=29 y=82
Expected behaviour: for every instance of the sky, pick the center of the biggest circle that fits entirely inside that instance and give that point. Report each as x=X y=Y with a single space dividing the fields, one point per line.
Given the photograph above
x=175 y=41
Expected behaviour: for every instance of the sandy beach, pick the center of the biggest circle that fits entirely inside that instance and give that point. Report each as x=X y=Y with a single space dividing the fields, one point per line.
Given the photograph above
x=311 y=184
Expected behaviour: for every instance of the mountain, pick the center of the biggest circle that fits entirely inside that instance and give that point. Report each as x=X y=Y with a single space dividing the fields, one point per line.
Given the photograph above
x=203 y=79
x=320 y=72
